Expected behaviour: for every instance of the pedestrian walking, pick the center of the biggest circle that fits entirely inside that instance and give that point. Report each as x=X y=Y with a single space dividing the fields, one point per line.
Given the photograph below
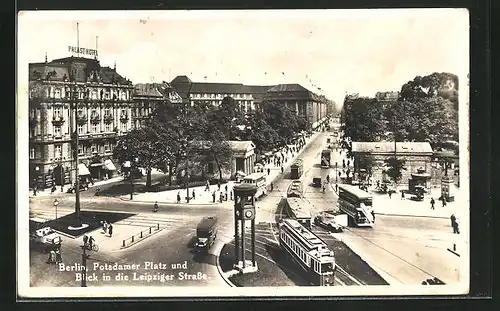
x=373 y=215
x=348 y=163
x=390 y=193
x=85 y=240
x=282 y=170
x=110 y=230
x=443 y=200
x=343 y=163
x=324 y=188
x=328 y=178
x=220 y=196
x=432 y=203
x=52 y=257
x=272 y=187
x=231 y=195
x=402 y=195
x=91 y=242
x=179 y=197
x=58 y=256
x=213 y=196
x=207 y=186
x=453 y=219
x=218 y=185
x=194 y=194
x=155 y=207
x=268 y=171
x=225 y=188
x=336 y=188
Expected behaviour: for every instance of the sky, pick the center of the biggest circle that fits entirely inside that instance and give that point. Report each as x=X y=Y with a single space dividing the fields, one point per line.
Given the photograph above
x=337 y=51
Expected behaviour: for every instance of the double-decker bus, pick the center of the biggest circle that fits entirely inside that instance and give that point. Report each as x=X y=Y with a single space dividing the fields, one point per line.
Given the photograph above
x=295 y=189
x=258 y=180
x=296 y=169
x=325 y=158
x=299 y=209
x=308 y=251
x=357 y=204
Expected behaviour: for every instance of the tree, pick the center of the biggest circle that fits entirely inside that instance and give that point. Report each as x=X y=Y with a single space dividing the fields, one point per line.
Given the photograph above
x=431 y=119
x=394 y=168
x=444 y=85
x=283 y=120
x=363 y=119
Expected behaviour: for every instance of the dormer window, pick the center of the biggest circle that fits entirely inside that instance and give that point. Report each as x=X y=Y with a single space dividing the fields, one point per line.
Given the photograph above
x=57 y=93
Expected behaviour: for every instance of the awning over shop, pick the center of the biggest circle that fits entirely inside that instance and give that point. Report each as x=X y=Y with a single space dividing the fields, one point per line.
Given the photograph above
x=83 y=170
x=109 y=165
x=96 y=164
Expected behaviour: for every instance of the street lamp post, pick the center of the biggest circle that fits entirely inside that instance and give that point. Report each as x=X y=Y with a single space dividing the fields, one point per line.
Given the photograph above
x=35 y=187
x=56 y=203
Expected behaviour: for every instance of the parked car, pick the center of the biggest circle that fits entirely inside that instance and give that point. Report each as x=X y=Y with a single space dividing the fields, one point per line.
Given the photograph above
x=317 y=182
x=46 y=238
x=83 y=187
x=327 y=223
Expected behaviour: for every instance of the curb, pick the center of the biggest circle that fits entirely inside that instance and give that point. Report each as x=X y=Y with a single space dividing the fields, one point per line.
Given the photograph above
x=222 y=274
x=407 y=215
x=138 y=241
x=171 y=203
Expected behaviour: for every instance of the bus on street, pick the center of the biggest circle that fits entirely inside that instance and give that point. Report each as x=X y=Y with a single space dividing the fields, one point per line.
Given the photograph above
x=325 y=158
x=258 y=180
x=357 y=204
x=296 y=169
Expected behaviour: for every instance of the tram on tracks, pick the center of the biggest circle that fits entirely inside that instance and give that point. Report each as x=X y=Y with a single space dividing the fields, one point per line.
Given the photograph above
x=357 y=204
x=296 y=169
x=295 y=189
x=308 y=251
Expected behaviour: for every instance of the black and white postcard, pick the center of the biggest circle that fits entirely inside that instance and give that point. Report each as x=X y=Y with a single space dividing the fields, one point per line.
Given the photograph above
x=243 y=153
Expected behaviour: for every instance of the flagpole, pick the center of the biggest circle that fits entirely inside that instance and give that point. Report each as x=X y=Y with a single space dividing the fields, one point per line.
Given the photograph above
x=77 y=39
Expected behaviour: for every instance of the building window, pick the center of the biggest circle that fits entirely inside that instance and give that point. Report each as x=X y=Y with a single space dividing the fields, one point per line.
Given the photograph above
x=32 y=153
x=124 y=127
x=95 y=128
x=80 y=149
x=107 y=148
x=80 y=129
x=57 y=131
x=57 y=112
x=93 y=148
x=57 y=151
x=57 y=93
x=108 y=128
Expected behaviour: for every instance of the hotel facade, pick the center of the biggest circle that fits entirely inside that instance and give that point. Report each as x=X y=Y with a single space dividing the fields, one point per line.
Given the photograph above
x=78 y=94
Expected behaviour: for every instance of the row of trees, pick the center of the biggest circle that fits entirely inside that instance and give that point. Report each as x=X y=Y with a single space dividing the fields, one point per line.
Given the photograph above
x=426 y=110
x=181 y=140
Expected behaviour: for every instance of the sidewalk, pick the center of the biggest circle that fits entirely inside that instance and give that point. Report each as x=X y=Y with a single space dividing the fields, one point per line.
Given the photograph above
x=47 y=192
x=395 y=206
x=203 y=197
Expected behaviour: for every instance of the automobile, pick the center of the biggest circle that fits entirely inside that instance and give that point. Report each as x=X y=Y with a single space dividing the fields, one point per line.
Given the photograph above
x=317 y=182
x=328 y=224
x=83 y=187
x=46 y=238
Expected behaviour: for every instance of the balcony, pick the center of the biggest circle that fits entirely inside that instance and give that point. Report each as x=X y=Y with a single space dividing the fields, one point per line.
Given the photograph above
x=95 y=118
x=58 y=120
x=81 y=119
x=108 y=118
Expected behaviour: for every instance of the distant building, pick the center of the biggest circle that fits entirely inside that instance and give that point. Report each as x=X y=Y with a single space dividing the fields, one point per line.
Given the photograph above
x=416 y=155
x=147 y=96
x=304 y=102
x=387 y=96
x=299 y=99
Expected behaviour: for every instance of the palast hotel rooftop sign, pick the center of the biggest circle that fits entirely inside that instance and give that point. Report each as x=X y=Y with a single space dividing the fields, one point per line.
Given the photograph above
x=74 y=49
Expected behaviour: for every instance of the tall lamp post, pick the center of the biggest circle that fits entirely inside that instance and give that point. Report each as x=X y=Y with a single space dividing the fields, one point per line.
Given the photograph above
x=37 y=172
x=73 y=97
x=56 y=203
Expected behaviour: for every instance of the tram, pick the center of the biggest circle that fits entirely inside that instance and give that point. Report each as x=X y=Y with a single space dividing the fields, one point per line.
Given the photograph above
x=299 y=209
x=308 y=251
x=295 y=189
x=325 y=158
x=296 y=169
